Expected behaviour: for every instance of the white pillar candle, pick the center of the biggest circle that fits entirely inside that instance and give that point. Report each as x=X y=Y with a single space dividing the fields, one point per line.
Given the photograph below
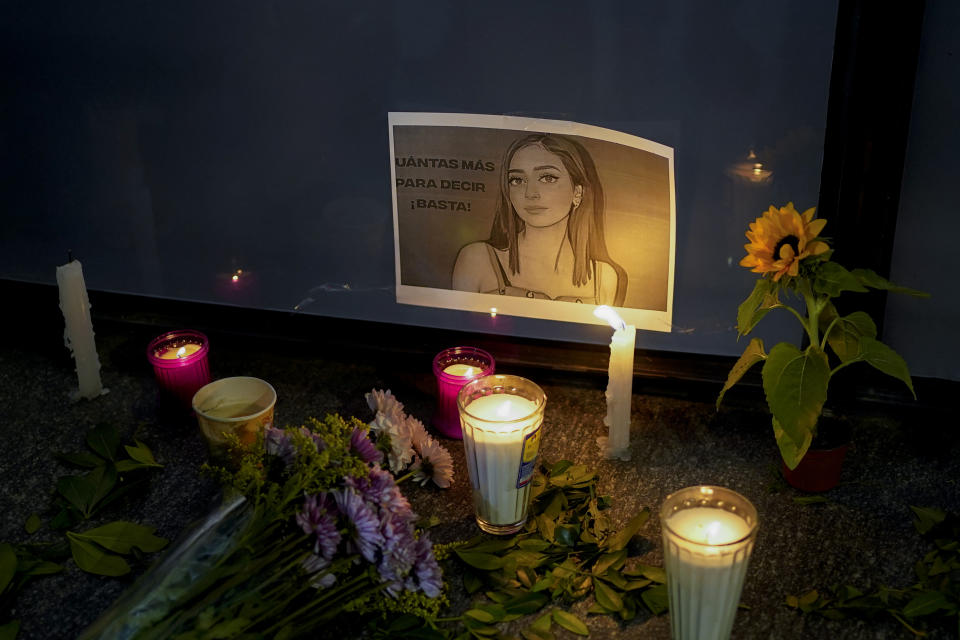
x=706 y=550
x=501 y=437
x=78 y=332
x=619 y=394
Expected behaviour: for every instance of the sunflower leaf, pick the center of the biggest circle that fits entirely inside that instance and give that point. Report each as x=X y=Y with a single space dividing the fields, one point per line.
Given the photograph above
x=751 y=355
x=872 y=280
x=752 y=310
x=795 y=383
x=844 y=337
x=886 y=360
x=832 y=279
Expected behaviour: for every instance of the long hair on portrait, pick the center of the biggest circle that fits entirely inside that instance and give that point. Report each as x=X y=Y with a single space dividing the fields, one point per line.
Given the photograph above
x=585 y=228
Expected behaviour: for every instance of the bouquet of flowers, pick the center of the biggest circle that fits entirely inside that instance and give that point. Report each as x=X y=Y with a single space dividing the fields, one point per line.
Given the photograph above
x=315 y=528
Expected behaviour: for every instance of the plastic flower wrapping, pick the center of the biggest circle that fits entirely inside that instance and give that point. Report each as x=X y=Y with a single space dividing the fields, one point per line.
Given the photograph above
x=312 y=526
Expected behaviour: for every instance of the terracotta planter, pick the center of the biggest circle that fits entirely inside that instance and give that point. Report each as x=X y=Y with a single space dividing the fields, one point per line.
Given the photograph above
x=818 y=471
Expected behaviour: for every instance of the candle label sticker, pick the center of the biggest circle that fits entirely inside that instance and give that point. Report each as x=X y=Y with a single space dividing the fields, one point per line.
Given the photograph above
x=528 y=457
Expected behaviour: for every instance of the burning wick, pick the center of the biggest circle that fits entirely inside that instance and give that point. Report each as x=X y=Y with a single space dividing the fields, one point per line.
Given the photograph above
x=493 y=312
x=606 y=313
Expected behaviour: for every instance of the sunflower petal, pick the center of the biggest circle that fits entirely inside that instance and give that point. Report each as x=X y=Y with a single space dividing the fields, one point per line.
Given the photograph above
x=815 y=227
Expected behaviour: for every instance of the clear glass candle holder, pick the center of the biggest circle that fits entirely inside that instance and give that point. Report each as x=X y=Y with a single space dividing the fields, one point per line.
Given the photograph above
x=179 y=361
x=454 y=368
x=708 y=534
x=502 y=421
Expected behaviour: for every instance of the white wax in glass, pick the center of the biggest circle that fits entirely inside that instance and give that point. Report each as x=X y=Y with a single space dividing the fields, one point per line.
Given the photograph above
x=619 y=393
x=78 y=331
x=705 y=570
x=497 y=447
x=461 y=370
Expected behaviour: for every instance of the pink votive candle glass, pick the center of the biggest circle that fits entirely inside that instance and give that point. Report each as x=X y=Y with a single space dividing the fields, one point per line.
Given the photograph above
x=179 y=360
x=454 y=368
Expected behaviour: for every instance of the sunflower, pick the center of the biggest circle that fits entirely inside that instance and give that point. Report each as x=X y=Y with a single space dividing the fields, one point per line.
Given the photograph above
x=780 y=239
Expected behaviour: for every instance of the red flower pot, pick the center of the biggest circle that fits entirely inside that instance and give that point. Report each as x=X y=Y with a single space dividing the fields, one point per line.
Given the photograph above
x=818 y=471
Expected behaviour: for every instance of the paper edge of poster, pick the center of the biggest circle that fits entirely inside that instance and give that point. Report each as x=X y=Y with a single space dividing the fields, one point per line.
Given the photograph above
x=644 y=319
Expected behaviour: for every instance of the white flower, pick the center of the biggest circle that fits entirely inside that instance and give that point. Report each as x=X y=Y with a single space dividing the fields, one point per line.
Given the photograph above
x=384 y=402
x=418 y=434
x=400 y=453
x=434 y=464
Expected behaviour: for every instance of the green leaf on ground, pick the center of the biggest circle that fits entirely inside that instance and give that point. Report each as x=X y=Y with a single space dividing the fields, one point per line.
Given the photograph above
x=121 y=537
x=103 y=440
x=656 y=599
x=93 y=559
x=33 y=524
x=927 y=518
x=485 y=561
x=9 y=630
x=142 y=454
x=607 y=596
x=570 y=622
x=622 y=538
x=8 y=564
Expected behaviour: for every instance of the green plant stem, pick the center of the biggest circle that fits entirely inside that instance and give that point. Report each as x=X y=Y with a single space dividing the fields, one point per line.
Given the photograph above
x=826 y=334
x=405 y=476
x=814 y=307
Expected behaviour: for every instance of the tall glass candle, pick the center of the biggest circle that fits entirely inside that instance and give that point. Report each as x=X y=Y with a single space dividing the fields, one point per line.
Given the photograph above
x=502 y=421
x=708 y=534
x=179 y=360
x=454 y=368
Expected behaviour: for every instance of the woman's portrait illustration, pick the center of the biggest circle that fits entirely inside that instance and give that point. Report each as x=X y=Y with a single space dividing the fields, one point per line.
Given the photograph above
x=547 y=240
x=536 y=218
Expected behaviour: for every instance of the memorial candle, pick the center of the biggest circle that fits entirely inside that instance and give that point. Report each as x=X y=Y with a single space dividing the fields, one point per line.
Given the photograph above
x=619 y=394
x=454 y=368
x=502 y=419
x=708 y=534
x=179 y=360
x=78 y=331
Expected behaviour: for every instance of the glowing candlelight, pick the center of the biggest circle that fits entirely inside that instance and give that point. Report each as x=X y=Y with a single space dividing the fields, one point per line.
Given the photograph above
x=502 y=420
x=708 y=534
x=619 y=394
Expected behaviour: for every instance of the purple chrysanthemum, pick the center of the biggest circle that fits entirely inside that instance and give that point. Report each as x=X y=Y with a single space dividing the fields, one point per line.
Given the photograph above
x=429 y=577
x=319 y=517
x=316 y=564
x=278 y=444
x=365 y=534
x=360 y=444
x=399 y=552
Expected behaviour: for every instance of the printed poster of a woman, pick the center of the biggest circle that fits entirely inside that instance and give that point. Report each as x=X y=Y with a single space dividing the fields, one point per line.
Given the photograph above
x=537 y=218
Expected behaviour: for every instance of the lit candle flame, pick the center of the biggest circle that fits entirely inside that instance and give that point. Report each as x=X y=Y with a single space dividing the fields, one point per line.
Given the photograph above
x=713 y=531
x=182 y=351
x=606 y=313
x=493 y=312
x=235 y=277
